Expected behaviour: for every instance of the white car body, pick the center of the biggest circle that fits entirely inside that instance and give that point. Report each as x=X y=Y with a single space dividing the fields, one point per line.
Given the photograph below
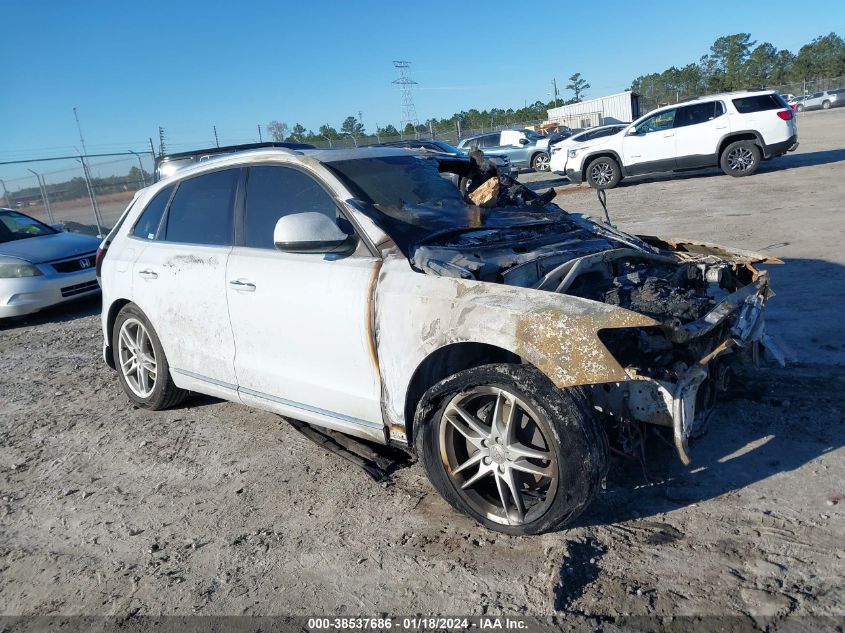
x=588 y=138
x=648 y=145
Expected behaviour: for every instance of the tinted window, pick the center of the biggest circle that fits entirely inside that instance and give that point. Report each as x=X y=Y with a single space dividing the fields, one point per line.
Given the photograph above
x=607 y=132
x=491 y=140
x=201 y=211
x=758 y=103
x=274 y=192
x=837 y=92
x=657 y=122
x=147 y=225
x=698 y=113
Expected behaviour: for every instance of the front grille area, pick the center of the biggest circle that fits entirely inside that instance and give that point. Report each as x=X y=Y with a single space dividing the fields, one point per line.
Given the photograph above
x=78 y=289
x=80 y=262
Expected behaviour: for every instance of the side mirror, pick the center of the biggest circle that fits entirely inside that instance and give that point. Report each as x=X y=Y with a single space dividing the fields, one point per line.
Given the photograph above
x=311 y=232
x=58 y=226
x=633 y=132
x=523 y=141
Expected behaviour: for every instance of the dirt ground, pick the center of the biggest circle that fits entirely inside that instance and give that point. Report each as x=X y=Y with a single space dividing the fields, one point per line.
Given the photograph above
x=214 y=508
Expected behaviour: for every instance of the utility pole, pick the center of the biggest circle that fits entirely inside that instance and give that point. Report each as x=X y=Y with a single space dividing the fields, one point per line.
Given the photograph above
x=79 y=129
x=260 y=140
x=409 y=110
x=554 y=89
x=152 y=148
x=161 y=146
x=216 y=142
x=431 y=128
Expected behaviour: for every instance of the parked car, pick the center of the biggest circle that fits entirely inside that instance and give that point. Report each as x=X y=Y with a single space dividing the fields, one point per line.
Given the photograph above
x=524 y=148
x=823 y=100
x=559 y=151
x=41 y=265
x=734 y=131
x=169 y=164
x=501 y=161
x=795 y=102
x=364 y=294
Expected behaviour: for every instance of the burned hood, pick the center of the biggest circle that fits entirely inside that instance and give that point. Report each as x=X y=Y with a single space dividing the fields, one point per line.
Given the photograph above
x=516 y=246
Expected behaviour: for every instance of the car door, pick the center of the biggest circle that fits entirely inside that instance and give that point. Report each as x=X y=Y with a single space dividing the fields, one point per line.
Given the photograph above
x=698 y=129
x=650 y=145
x=179 y=278
x=302 y=322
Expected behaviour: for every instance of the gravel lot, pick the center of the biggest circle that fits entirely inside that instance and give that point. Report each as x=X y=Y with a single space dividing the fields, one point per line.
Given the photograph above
x=214 y=508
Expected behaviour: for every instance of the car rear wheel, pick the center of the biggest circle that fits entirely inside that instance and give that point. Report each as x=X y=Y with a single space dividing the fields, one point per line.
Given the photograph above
x=741 y=158
x=504 y=446
x=800 y=108
x=826 y=105
x=141 y=364
x=540 y=162
x=603 y=173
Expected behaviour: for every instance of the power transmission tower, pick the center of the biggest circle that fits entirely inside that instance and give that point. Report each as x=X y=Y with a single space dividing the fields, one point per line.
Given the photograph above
x=409 y=110
x=161 y=146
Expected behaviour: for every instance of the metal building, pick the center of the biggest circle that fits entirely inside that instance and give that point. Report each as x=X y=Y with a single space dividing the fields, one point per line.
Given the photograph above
x=623 y=107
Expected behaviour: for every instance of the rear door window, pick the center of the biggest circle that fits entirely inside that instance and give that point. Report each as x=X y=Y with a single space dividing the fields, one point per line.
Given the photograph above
x=759 y=103
x=201 y=210
x=147 y=225
x=698 y=113
x=273 y=192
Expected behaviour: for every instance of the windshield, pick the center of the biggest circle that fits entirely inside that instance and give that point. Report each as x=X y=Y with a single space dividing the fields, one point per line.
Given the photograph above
x=17 y=226
x=451 y=149
x=412 y=201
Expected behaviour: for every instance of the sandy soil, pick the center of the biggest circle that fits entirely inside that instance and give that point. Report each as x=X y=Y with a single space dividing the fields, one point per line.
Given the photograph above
x=213 y=508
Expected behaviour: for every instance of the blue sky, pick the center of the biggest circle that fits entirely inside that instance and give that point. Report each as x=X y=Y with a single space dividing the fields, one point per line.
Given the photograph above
x=187 y=65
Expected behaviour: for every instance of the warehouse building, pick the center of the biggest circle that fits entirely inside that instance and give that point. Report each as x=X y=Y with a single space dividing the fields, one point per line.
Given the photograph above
x=623 y=107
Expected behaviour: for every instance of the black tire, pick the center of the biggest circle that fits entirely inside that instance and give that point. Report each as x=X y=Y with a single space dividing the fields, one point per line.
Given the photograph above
x=825 y=105
x=540 y=162
x=571 y=432
x=164 y=394
x=740 y=158
x=603 y=173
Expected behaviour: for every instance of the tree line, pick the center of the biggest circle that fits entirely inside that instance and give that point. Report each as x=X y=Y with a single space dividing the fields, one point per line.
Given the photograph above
x=734 y=62
x=737 y=62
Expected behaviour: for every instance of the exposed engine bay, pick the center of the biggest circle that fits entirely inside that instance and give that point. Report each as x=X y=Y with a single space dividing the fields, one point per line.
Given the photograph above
x=706 y=300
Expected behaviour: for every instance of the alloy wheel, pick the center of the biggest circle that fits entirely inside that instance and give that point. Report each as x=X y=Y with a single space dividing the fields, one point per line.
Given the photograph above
x=541 y=163
x=137 y=358
x=601 y=173
x=740 y=159
x=498 y=455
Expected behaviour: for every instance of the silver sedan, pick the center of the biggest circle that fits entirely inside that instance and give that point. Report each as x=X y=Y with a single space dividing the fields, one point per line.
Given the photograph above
x=42 y=266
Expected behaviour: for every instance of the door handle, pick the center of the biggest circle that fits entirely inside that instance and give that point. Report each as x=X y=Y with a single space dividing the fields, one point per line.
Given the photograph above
x=148 y=274
x=242 y=286
x=669 y=135
x=721 y=127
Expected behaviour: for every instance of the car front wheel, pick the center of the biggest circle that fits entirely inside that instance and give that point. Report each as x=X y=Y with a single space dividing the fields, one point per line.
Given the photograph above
x=140 y=361
x=540 y=162
x=741 y=158
x=504 y=446
x=800 y=108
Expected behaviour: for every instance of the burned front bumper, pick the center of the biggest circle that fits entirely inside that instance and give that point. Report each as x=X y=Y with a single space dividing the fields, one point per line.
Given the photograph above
x=684 y=403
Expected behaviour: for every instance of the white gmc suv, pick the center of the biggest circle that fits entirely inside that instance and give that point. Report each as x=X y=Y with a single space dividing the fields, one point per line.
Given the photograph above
x=734 y=130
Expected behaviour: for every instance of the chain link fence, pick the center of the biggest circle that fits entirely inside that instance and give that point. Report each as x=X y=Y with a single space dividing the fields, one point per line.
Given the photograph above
x=800 y=88
x=84 y=193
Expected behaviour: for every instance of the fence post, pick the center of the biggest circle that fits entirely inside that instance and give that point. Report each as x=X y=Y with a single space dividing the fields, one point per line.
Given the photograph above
x=44 y=198
x=92 y=195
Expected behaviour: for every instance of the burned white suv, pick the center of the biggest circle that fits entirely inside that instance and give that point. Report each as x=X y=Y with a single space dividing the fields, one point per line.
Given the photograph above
x=359 y=291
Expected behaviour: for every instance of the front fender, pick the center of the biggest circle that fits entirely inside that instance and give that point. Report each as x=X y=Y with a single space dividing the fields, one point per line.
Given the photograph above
x=416 y=314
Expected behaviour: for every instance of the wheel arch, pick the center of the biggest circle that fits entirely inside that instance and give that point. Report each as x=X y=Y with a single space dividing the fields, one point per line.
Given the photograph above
x=444 y=362
x=114 y=309
x=745 y=135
